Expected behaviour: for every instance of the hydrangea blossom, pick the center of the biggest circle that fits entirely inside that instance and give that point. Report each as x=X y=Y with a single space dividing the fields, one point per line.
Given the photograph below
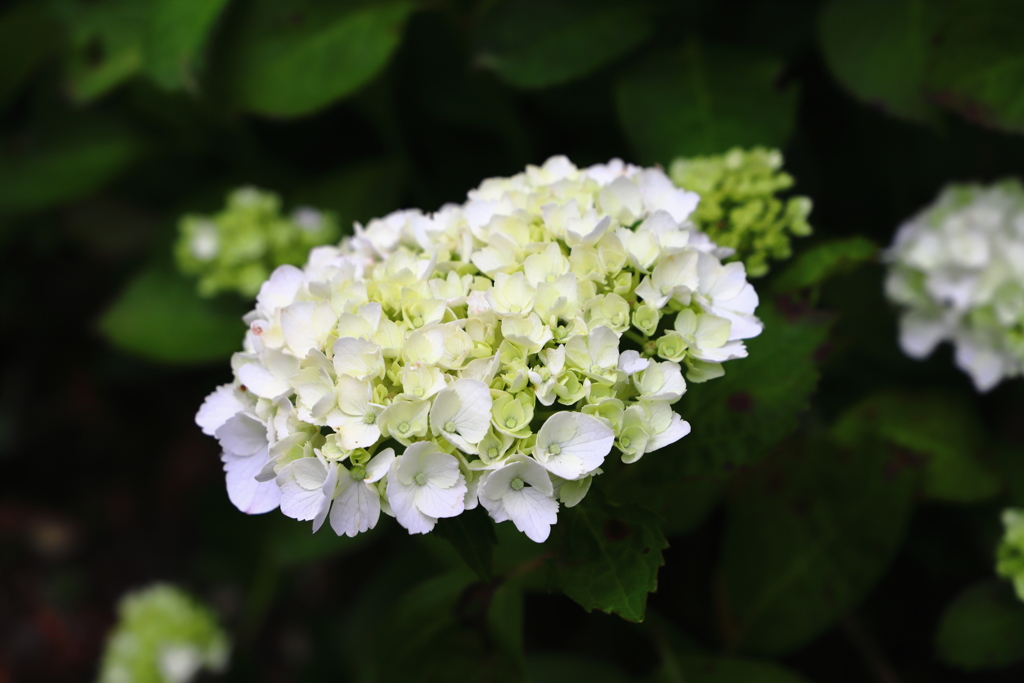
x=162 y=636
x=738 y=203
x=236 y=249
x=493 y=352
x=1010 y=557
x=957 y=270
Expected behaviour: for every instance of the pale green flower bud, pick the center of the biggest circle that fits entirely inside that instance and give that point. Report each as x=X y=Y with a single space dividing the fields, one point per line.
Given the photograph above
x=237 y=248
x=738 y=206
x=163 y=636
x=646 y=319
x=1010 y=556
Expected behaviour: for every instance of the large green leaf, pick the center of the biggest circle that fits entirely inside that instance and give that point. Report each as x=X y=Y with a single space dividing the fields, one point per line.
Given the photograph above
x=450 y=628
x=878 y=50
x=472 y=535
x=708 y=669
x=41 y=168
x=358 y=192
x=107 y=40
x=538 y=43
x=977 y=66
x=814 y=266
x=808 y=535
x=738 y=418
x=290 y=59
x=703 y=99
x=160 y=317
x=607 y=557
x=177 y=31
x=28 y=35
x=983 y=628
x=941 y=430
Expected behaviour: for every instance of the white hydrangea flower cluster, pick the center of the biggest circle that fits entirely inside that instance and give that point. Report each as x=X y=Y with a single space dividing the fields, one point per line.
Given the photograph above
x=452 y=335
x=957 y=268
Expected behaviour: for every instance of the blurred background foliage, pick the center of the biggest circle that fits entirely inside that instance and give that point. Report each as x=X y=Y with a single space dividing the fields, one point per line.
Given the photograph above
x=835 y=512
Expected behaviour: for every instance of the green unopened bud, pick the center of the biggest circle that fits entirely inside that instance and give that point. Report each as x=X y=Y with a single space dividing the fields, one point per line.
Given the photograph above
x=646 y=319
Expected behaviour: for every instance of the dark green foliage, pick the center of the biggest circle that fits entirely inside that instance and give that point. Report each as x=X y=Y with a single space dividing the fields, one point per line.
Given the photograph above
x=787 y=507
x=938 y=433
x=472 y=536
x=808 y=536
x=983 y=628
x=540 y=43
x=704 y=98
x=818 y=264
x=159 y=316
x=607 y=557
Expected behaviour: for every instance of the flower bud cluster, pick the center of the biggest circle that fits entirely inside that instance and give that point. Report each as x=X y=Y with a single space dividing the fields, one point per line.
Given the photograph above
x=489 y=343
x=162 y=636
x=957 y=270
x=1010 y=556
x=738 y=204
x=236 y=249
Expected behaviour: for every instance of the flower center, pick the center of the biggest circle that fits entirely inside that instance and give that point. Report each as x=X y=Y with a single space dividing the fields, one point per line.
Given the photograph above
x=449 y=426
x=515 y=308
x=418 y=391
x=510 y=423
x=404 y=427
x=554 y=449
x=358 y=473
x=369 y=418
x=420 y=479
x=517 y=484
x=492 y=452
x=624 y=441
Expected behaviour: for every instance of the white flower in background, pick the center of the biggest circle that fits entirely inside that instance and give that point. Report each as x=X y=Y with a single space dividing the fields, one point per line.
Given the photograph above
x=503 y=347
x=957 y=271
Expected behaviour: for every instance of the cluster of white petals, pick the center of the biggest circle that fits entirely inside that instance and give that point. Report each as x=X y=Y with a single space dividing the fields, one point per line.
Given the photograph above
x=957 y=269
x=488 y=343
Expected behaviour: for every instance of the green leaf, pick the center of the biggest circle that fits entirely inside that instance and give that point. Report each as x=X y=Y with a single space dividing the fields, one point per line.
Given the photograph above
x=107 y=40
x=450 y=628
x=941 y=431
x=807 y=537
x=707 y=669
x=472 y=536
x=42 y=168
x=557 y=667
x=160 y=317
x=682 y=503
x=290 y=59
x=289 y=544
x=358 y=192
x=704 y=99
x=737 y=419
x=540 y=43
x=607 y=557
x=816 y=265
x=28 y=35
x=983 y=628
x=977 y=64
x=177 y=32
x=878 y=50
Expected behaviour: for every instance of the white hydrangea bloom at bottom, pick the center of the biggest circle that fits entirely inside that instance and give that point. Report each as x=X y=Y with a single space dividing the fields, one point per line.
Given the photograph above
x=957 y=270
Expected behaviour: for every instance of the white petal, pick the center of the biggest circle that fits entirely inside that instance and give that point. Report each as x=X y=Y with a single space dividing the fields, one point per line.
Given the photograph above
x=242 y=434
x=589 y=441
x=301 y=485
x=920 y=335
x=244 y=492
x=379 y=465
x=532 y=512
x=223 y=403
x=357 y=509
x=402 y=501
x=280 y=289
x=435 y=501
x=676 y=430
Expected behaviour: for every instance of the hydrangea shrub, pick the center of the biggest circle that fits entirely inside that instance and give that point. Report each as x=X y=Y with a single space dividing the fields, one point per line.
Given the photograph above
x=236 y=249
x=491 y=353
x=957 y=273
